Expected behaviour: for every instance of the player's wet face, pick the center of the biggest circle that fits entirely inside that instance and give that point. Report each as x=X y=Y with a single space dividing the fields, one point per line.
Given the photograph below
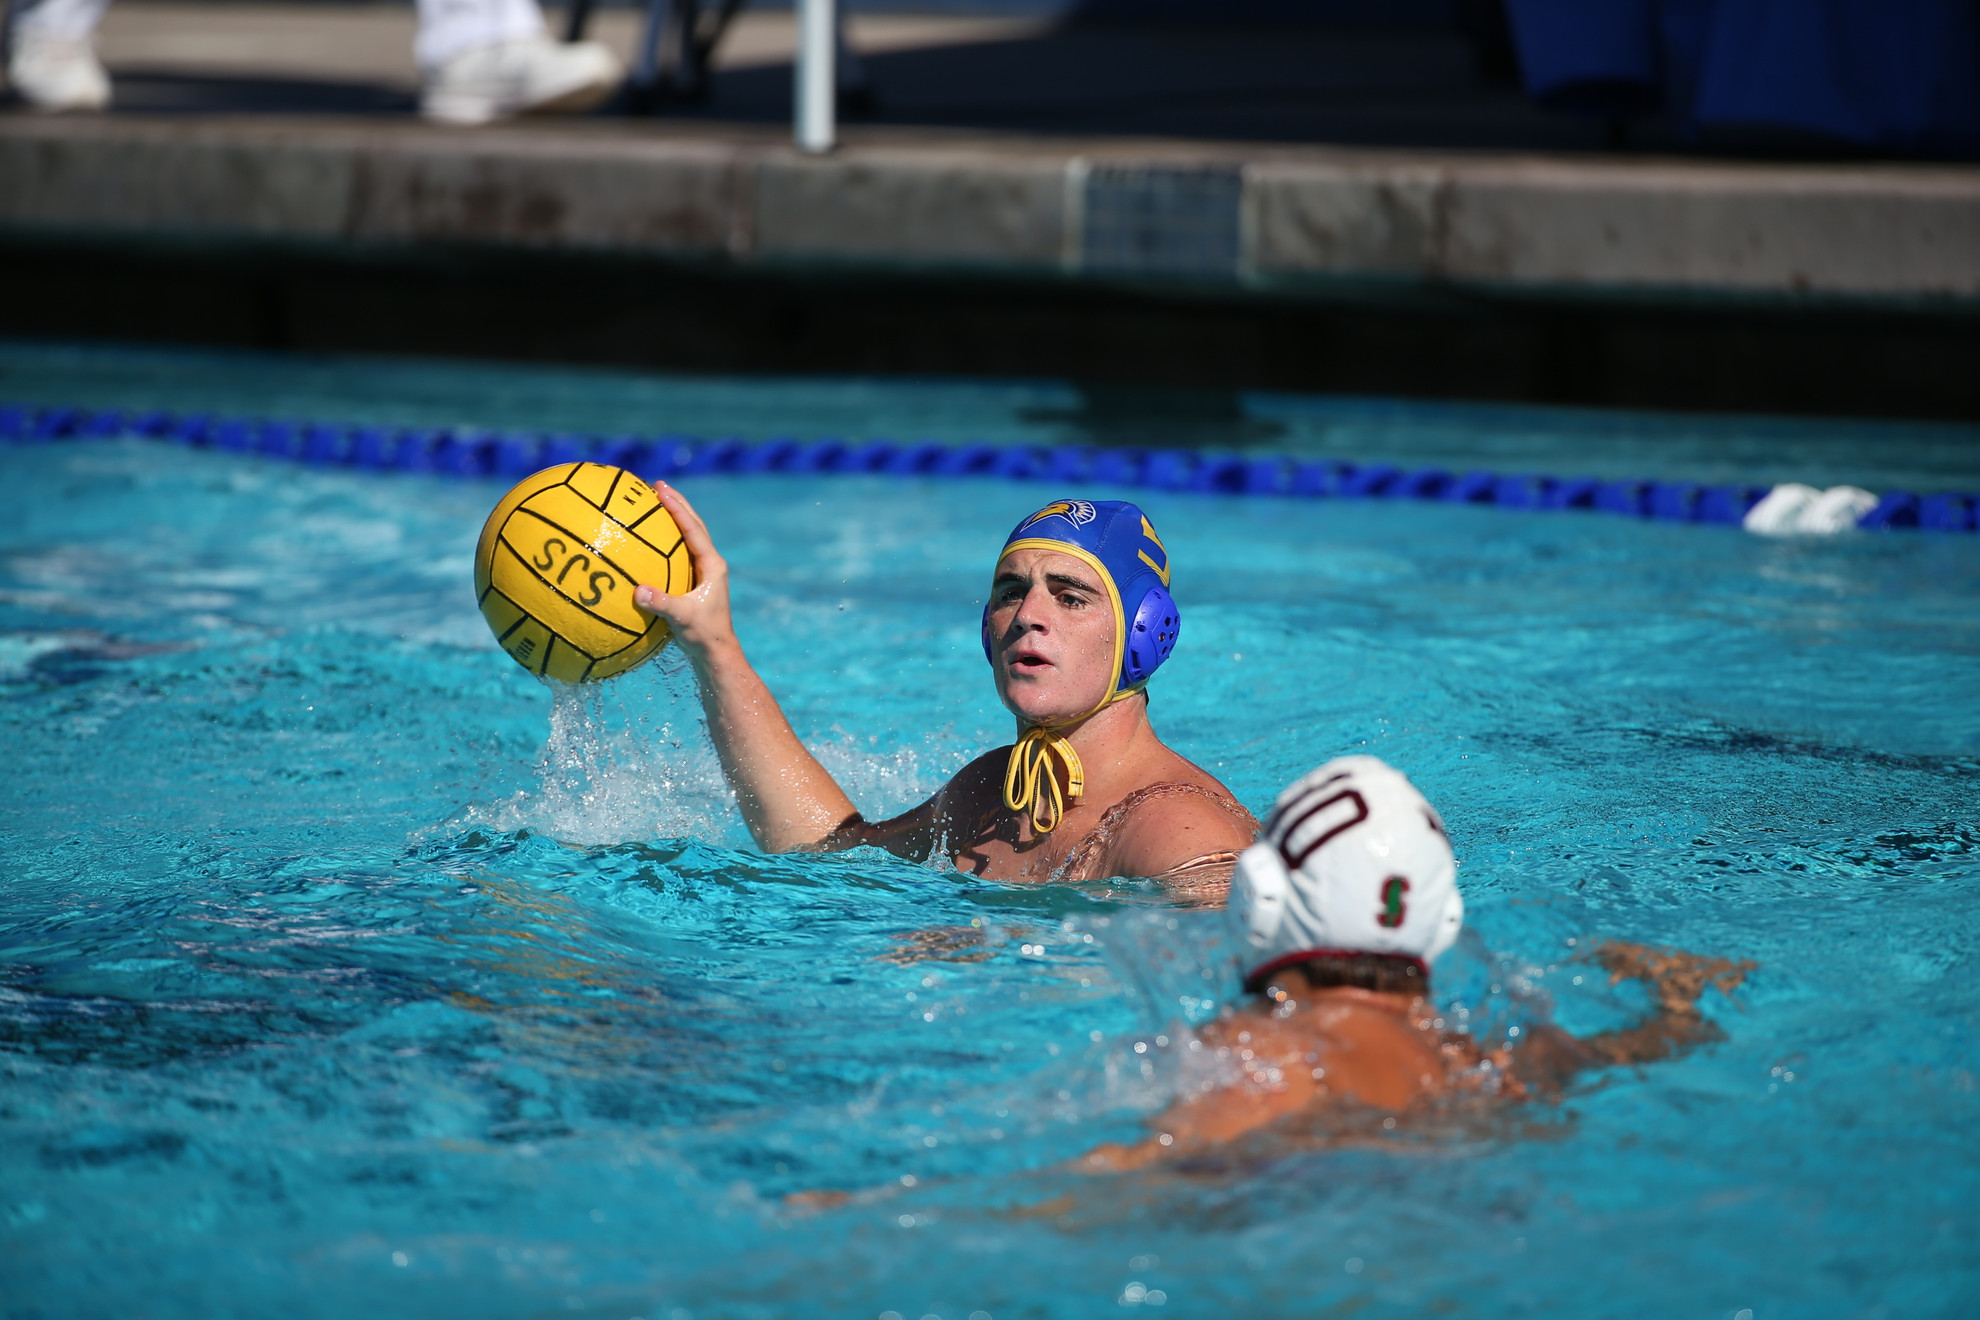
x=1051 y=635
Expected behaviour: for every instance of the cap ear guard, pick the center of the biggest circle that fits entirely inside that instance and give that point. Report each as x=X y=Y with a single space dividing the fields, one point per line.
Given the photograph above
x=1260 y=888
x=1151 y=636
x=1449 y=923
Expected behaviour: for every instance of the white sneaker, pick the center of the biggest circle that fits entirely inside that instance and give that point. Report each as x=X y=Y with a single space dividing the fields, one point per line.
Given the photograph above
x=533 y=76
x=54 y=74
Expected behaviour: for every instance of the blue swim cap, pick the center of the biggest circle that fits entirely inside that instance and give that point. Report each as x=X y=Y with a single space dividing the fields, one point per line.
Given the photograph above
x=1118 y=541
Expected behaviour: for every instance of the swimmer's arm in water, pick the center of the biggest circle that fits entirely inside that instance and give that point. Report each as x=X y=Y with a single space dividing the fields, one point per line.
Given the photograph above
x=1218 y=1117
x=1549 y=1057
x=788 y=799
x=1212 y=1120
x=1546 y=1059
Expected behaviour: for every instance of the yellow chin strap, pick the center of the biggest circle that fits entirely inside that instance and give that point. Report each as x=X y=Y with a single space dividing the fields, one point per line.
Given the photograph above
x=1030 y=785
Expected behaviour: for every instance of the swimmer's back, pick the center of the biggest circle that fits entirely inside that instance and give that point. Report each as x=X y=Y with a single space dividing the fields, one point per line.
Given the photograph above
x=1352 y=1047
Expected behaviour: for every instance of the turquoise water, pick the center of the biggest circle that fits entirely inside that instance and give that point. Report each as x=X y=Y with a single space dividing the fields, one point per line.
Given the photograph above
x=346 y=970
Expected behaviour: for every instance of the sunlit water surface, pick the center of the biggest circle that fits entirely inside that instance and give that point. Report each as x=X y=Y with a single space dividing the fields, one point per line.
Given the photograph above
x=344 y=970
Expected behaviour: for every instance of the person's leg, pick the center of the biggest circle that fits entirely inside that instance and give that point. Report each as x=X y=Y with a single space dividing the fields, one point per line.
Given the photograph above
x=489 y=59
x=51 y=61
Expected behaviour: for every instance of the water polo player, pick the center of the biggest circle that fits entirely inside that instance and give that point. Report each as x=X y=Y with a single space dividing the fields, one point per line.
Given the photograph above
x=1078 y=618
x=1339 y=909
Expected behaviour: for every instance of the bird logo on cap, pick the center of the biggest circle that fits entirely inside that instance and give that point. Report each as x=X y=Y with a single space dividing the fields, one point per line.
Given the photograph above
x=1077 y=512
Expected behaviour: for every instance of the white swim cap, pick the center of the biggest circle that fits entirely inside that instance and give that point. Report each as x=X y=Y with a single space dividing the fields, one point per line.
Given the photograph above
x=1352 y=860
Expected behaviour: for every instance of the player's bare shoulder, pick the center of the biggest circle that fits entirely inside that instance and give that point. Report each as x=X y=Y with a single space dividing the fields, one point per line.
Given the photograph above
x=1179 y=824
x=1185 y=818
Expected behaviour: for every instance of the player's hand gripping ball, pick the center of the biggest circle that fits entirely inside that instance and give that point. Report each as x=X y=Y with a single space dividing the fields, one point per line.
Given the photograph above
x=557 y=565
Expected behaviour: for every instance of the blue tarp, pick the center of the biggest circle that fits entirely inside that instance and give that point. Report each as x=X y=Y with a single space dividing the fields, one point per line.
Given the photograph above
x=1894 y=75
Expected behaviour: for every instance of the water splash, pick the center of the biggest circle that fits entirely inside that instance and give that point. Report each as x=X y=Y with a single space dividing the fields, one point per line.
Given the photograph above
x=631 y=759
x=1177 y=967
x=628 y=759
x=886 y=782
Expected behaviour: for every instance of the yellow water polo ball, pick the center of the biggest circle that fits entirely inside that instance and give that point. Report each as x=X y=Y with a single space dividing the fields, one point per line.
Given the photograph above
x=557 y=565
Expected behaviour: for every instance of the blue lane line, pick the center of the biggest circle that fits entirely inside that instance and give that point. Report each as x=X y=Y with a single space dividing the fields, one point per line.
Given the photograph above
x=474 y=453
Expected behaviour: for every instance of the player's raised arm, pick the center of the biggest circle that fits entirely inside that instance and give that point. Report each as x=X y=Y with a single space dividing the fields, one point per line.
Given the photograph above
x=788 y=800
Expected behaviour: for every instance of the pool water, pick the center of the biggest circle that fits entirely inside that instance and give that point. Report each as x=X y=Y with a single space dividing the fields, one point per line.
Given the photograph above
x=346 y=969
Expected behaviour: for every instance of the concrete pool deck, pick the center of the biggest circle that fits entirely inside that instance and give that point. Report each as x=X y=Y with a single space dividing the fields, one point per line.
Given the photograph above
x=1143 y=209
x=1207 y=228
